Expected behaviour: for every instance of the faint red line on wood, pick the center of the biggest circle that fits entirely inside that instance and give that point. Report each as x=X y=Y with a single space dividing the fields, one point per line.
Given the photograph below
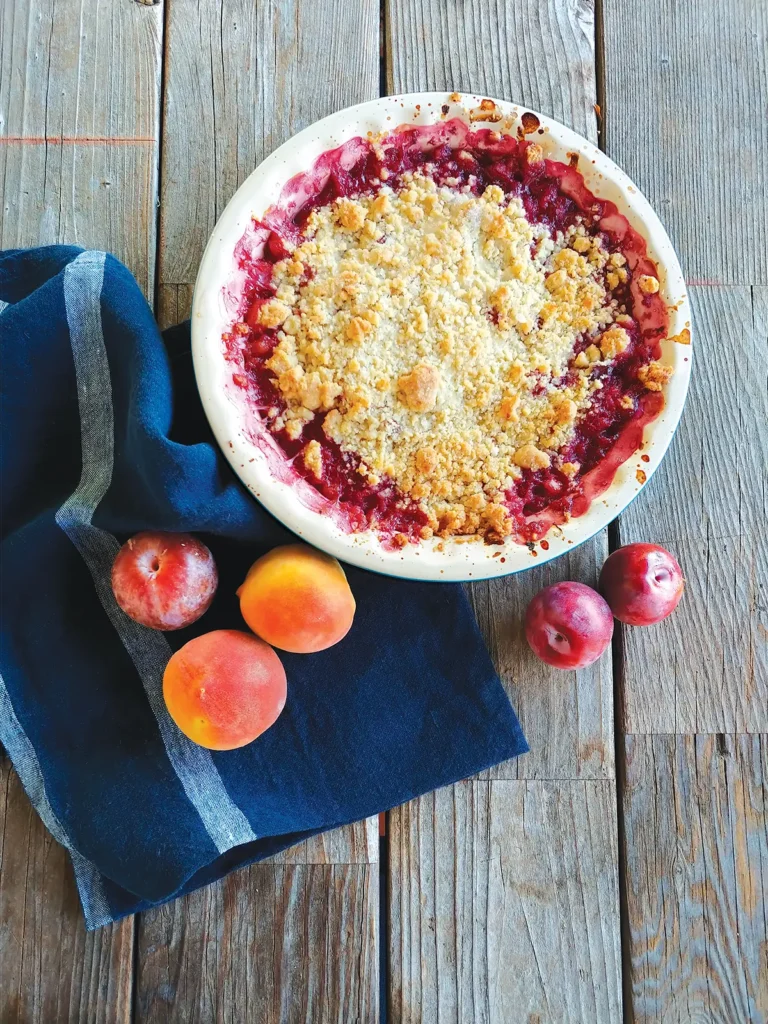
x=88 y=140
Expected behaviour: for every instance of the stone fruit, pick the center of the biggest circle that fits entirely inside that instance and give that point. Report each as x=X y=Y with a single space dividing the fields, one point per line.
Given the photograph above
x=225 y=688
x=642 y=583
x=568 y=625
x=164 y=580
x=298 y=599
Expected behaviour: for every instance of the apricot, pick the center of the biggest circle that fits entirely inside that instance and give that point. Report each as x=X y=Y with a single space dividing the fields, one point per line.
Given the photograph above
x=298 y=599
x=225 y=688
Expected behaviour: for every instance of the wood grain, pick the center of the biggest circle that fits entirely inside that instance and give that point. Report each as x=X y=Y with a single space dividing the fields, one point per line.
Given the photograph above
x=353 y=844
x=697 y=873
x=270 y=943
x=501 y=48
x=706 y=668
x=51 y=969
x=567 y=717
x=685 y=88
x=446 y=849
x=686 y=96
x=294 y=939
x=79 y=95
x=505 y=904
x=241 y=78
x=537 y=52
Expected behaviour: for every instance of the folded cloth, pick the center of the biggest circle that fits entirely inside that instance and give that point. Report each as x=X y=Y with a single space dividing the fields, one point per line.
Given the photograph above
x=104 y=435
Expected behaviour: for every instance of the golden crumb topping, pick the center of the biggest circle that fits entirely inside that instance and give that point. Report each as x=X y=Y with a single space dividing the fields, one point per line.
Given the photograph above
x=530 y=457
x=432 y=333
x=613 y=342
x=273 y=313
x=683 y=338
x=654 y=376
x=647 y=284
x=418 y=389
x=313 y=458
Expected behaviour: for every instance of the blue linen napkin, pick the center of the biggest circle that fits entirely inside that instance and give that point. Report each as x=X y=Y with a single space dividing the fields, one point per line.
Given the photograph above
x=104 y=435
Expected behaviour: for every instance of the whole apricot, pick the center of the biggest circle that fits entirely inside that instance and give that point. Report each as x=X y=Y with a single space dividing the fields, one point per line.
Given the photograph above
x=298 y=599
x=225 y=688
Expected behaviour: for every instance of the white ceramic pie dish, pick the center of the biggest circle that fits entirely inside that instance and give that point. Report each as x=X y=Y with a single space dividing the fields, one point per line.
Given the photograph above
x=290 y=500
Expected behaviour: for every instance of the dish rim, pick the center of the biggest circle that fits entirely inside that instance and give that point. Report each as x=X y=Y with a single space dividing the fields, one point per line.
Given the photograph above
x=460 y=559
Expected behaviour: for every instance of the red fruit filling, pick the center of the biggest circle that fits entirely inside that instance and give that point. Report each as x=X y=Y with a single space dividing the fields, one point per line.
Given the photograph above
x=553 y=194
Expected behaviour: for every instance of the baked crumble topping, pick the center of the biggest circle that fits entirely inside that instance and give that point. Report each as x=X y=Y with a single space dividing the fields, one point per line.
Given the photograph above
x=433 y=329
x=654 y=376
x=436 y=348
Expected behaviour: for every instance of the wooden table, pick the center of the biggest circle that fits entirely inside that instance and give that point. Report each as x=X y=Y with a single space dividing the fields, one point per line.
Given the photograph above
x=622 y=866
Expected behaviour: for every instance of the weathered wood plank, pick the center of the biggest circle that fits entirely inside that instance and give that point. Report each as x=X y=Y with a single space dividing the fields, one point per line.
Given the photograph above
x=505 y=50
x=354 y=844
x=696 y=851
x=51 y=969
x=505 y=903
x=271 y=943
x=494 y=856
x=242 y=78
x=79 y=95
x=539 y=53
x=706 y=668
x=567 y=717
x=686 y=95
x=174 y=304
x=693 y=806
x=295 y=938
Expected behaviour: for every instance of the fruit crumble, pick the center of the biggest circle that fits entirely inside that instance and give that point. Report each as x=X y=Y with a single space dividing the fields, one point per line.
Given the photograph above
x=446 y=333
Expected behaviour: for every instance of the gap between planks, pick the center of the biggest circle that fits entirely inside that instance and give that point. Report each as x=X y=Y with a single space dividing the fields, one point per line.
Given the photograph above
x=487 y=879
